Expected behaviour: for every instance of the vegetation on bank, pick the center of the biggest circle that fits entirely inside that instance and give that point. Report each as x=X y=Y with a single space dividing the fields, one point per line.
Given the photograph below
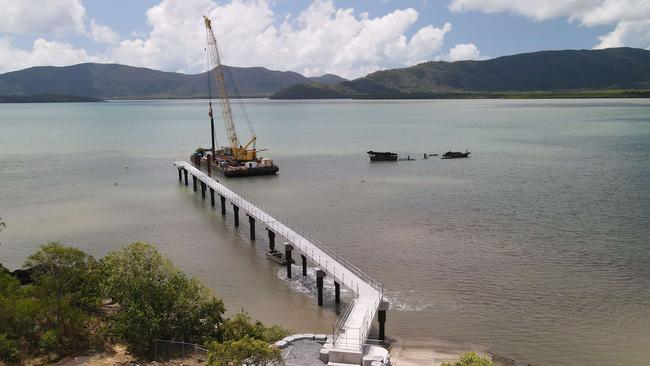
x=471 y=359
x=608 y=73
x=46 y=98
x=76 y=304
x=316 y=91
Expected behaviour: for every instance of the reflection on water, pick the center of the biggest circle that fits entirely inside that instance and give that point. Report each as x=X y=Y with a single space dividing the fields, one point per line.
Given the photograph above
x=536 y=245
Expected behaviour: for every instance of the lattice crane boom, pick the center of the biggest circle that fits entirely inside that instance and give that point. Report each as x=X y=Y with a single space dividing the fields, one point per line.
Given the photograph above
x=239 y=152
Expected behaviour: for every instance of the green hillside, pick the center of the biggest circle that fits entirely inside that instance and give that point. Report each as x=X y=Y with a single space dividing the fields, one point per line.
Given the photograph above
x=109 y=81
x=569 y=70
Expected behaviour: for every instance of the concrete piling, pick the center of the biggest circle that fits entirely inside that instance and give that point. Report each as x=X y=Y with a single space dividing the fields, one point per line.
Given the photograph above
x=251 y=222
x=235 y=210
x=287 y=254
x=304 y=265
x=185 y=173
x=194 y=183
x=381 y=317
x=320 y=274
x=202 y=190
x=223 y=204
x=180 y=175
x=271 y=240
x=337 y=292
x=212 y=196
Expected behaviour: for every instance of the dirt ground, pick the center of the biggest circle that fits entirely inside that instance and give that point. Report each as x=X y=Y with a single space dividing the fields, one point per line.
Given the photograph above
x=117 y=356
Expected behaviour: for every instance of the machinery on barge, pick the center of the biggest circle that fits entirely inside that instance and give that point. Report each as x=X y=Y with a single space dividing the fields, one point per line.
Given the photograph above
x=236 y=160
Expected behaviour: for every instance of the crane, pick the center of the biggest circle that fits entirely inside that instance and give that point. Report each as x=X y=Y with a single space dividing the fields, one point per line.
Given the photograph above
x=247 y=152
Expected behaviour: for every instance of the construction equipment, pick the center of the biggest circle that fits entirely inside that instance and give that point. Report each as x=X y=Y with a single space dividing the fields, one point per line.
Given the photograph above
x=234 y=160
x=241 y=153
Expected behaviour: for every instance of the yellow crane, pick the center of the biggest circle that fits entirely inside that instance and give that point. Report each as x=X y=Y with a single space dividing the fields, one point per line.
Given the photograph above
x=247 y=152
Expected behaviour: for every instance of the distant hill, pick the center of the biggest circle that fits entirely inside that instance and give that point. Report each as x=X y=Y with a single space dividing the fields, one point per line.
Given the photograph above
x=327 y=79
x=45 y=98
x=114 y=81
x=614 y=68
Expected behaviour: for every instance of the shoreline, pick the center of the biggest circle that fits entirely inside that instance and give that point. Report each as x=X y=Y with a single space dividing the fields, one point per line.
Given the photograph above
x=415 y=351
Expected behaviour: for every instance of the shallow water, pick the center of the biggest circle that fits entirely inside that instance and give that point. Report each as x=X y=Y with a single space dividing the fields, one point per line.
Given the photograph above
x=536 y=246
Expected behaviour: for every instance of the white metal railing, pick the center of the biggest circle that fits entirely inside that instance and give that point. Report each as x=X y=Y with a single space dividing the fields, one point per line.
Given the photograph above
x=295 y=234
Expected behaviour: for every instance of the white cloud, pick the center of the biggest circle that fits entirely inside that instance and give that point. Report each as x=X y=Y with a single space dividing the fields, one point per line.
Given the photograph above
x=102 y=34
x=464 y=51
x=42 y=53
x=41 y=16
x=629 y=16
x=321 y=39
x=632 y=34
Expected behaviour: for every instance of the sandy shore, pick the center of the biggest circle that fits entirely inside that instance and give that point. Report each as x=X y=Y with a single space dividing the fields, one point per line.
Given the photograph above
x=436 y=351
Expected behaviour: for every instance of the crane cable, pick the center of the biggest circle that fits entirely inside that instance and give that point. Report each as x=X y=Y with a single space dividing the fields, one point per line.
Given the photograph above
x=207 y=61
x=239 y=103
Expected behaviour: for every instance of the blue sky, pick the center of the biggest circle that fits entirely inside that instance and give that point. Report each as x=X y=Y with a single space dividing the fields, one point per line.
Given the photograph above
x=310 y=36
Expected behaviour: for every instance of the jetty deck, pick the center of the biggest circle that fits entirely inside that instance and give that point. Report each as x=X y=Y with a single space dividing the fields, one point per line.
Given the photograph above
x=353 y=325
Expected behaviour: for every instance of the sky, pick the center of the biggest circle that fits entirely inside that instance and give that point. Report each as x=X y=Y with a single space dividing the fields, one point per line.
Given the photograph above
x=312 y=37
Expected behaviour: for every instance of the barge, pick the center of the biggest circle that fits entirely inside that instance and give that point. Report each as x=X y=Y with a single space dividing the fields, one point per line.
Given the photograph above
x=235 y=160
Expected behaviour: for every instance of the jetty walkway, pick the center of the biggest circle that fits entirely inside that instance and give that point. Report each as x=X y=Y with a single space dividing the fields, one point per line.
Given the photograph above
x=351 y=329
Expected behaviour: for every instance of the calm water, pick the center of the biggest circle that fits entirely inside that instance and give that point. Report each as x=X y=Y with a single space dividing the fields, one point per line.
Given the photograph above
x=537 y=246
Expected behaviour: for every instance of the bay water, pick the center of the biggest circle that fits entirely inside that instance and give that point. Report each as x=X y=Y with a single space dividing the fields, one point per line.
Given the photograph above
x=536 y=246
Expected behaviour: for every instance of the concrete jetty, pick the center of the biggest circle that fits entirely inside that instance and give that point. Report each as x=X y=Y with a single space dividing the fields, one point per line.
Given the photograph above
x=350 y=331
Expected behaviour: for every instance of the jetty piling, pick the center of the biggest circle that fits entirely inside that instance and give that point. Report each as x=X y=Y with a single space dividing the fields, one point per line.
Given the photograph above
x=381 y=318
x=211 y=197
x=304 y=265
x=337 y=292
x=251 y=222
x=319 y=285
x=271 y=240
x=235 y=210
x=223 y=204
x=202 y=190
x=287 y=254
x=185 y=172
x=194 y=183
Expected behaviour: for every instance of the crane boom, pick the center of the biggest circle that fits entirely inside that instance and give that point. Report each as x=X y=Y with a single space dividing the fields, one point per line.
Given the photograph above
x=239 y=152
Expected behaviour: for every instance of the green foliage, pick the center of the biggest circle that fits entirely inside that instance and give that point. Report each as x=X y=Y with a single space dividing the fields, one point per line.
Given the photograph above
x=61 y=312
x=121 y=81
x=49 y=342
x=471 y=359
x=246 y=350
x=241 y=326
x=64 y=278
x=46 y=98
x=51 y=315
x=157 y=301
x=8 y=349
x=563 y=74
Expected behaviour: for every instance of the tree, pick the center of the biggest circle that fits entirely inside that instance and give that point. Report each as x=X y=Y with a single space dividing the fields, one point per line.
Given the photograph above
x=157 y=301
x=241 y=326
x=247 y=351
x=8 y=287
x=8 y=349
x=471 y=359
x=49 y=342
x=62 y=281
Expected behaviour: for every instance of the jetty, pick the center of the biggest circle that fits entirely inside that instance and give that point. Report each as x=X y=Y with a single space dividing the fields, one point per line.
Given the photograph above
x=351 y=329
